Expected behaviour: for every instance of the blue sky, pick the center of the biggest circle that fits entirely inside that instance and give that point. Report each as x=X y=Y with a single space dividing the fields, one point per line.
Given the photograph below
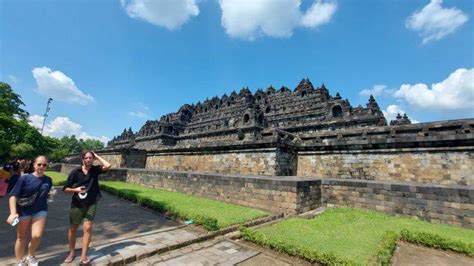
x=114 y=64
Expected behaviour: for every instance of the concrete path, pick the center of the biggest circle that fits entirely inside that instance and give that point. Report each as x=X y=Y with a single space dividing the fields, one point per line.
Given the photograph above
x=221 y=251
x=121 y=230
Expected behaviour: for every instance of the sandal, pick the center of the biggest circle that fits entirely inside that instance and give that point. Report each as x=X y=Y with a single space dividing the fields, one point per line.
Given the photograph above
x=69 y=259
x=85 y=262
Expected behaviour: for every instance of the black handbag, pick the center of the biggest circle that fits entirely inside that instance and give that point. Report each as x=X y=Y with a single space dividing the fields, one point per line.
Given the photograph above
x=27 y=201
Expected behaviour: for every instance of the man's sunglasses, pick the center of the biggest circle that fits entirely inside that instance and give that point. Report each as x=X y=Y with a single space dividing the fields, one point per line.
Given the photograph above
x=42 y=164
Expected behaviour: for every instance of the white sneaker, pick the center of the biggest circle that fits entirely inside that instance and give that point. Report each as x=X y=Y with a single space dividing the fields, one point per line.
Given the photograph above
x=31 y=260
x=22 y=263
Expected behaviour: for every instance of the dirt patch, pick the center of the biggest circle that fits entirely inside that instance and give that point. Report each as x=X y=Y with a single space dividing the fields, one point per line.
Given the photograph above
x=411 y=254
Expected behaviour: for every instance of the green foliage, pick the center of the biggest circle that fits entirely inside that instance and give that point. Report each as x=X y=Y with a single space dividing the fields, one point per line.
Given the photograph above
x=22 y=150
x=387 y=247
x=357 y=237
x=438 y=241
x=12 y=119
x=92 y=144
x=311 y=255
x=58 y=178
x=70 y=144
x=58 y=154
x=10 y=103
x=211 y=214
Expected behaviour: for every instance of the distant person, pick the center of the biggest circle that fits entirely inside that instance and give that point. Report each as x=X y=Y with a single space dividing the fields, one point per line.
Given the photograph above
x=28 y=201
x=28 y=168
x=4 y=175
x=24 y=164
x=15 y=173
x=84 y=183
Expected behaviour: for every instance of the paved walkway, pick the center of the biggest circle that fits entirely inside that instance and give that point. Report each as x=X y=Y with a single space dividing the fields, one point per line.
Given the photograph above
x=121 y=230
x=411 y=254
x=221 y=251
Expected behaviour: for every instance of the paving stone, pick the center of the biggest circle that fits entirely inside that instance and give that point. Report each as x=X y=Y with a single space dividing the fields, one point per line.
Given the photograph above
x=218 y=253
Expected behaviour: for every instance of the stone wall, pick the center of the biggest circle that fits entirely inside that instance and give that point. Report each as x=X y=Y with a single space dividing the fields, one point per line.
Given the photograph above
x=292 y=195
x=67 y=168
x=277 y=194
x=438 y=204
x=437 y=166
x=247 y=162
x=115 y=159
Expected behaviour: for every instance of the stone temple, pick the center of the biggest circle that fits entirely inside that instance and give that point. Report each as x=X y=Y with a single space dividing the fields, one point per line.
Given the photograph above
x=295 y=150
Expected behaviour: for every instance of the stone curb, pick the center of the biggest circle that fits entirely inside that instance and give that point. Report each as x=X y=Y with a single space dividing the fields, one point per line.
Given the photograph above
x=311 y=214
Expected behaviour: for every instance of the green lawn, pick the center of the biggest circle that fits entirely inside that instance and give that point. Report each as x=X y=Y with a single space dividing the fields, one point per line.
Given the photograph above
x=58 y=178
x=353 y=236
x=212 y=214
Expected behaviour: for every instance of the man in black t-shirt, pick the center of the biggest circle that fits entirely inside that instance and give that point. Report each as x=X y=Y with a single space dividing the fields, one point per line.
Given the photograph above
x=83 y=182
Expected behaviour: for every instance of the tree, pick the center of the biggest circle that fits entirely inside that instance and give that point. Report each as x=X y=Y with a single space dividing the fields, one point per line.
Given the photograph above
x=92 y=144
x=12 y=115
x=22 y=150
x=71 y=143
x=58 y=154
x=10 y=103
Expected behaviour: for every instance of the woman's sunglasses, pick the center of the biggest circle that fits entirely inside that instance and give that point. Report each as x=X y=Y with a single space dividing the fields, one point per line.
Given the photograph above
x=41 y=164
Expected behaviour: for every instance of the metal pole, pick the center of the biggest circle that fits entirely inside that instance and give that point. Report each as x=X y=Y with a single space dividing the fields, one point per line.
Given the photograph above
x=46 y=114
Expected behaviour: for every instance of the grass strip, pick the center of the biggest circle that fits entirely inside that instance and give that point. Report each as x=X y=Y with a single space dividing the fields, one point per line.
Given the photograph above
x=357 y=237
x=211 y=214
x=58 y=178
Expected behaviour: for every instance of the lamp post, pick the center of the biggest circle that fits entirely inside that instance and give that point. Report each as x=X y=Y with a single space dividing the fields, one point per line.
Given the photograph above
x=46 y=114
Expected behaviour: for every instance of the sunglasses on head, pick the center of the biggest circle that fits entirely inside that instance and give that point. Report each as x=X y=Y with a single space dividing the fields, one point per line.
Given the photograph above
x=42 y=164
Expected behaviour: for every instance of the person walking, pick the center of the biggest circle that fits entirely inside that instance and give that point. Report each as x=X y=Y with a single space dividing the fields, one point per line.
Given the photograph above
x=28 y=202
x=83 y=183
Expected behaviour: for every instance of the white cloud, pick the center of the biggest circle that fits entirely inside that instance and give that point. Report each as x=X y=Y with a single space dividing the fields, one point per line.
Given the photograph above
x=63 y=126
x=318 y=14
x=392 y=112
x=452 y=94
x=171 y=14
x=375 y=91
x=434 y=22
x=249 y=19
x=57 y=85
